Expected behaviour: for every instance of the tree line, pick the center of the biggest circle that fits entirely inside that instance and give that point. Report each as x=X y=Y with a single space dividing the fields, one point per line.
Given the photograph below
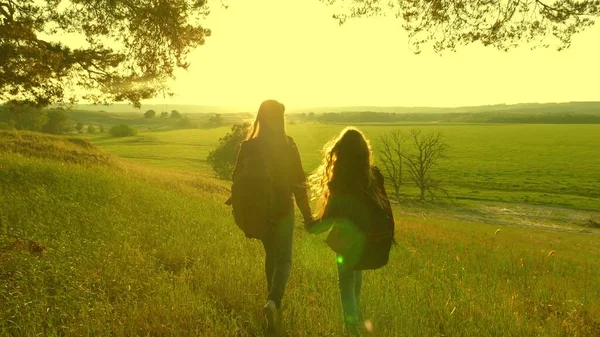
x=525 y=117
x=22 y=116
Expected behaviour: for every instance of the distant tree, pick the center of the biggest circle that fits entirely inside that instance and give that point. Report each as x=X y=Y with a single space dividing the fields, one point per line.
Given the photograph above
x=79 y=127
x=175 y=114
x=164 y=114
x=184 y=123
x=215 y=120
x=91 y=129
x=150 y=114
x=427 y=150
x=101 y=128
x=58 y=122
x=390 y=156
x=7 y=125
x=149 y=40
x=7 y=117
x=23 y=116
x=122 y=130
x=503 y=24
x=222 y=159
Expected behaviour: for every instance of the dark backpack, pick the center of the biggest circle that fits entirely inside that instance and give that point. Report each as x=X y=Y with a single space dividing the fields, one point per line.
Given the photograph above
x=363 y=229
x=252 y=191
x=378 y=237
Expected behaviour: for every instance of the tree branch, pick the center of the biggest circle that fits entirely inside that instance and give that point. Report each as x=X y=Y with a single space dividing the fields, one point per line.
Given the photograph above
x=7 y=11
x=560 y=10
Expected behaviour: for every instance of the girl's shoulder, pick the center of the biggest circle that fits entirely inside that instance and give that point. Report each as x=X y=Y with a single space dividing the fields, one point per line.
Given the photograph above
x=252 y=142
x=291 y=142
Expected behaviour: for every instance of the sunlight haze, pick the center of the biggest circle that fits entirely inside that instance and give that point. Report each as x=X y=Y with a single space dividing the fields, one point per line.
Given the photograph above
x=293 y=51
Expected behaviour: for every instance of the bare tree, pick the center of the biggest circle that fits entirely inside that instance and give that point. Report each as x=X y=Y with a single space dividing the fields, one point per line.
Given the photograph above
x=390 y=157
x=428 y=149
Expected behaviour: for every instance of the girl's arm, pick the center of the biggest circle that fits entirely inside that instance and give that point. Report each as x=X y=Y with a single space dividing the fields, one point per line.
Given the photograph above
x=331 y=212
x=298 y=181
x=240 y=157
x=381 y=185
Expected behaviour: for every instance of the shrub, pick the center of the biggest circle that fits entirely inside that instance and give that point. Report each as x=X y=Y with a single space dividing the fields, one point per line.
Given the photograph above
x=10 y=125
x=222 y=159
x=150 y=114
x=216 y=120
x=184 y=123
x=122 y=130
x=79 y=127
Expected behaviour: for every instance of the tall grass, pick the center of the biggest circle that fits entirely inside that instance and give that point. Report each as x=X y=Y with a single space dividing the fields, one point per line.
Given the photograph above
x=155 y=253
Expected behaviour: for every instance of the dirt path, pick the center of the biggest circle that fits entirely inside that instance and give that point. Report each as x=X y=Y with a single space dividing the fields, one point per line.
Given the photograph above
x=518 y=215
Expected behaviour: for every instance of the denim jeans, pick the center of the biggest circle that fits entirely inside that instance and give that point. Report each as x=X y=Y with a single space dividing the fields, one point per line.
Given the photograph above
x=350 y=282
x=278 y=257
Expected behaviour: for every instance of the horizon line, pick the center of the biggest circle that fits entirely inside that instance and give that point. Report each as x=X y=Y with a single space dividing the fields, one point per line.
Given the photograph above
x=292 y=108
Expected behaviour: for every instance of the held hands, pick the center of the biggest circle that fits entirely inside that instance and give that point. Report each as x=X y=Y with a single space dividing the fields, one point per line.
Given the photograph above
x=309 y=223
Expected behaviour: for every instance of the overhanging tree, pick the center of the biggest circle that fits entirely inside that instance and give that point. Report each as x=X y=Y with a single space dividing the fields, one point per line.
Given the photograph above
x=504 y=24
x=131 y=48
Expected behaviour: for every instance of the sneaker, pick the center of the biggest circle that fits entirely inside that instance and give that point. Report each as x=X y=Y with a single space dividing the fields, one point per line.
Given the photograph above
x=270 y=311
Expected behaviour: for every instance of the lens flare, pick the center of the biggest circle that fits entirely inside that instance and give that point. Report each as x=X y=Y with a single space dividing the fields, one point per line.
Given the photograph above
x=369 y=326
x=340 y=259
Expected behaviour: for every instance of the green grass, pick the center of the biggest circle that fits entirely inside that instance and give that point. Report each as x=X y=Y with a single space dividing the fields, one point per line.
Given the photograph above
x=135 y=251
x=542 y=164
x=538 y=164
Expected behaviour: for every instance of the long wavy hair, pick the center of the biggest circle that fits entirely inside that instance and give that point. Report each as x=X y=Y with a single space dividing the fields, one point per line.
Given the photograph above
x=347 y=167
x=269 y=123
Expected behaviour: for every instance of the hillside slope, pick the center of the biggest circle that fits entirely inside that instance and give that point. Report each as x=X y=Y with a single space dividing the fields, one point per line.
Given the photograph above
x=88 y=242
x=64 y=149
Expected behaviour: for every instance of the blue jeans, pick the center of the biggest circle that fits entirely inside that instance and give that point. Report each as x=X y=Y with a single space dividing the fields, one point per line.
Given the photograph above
x=278 y=259
x=350 y=282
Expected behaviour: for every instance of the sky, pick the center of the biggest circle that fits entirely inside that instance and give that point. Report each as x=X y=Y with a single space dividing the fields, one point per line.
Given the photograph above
x=293 y=51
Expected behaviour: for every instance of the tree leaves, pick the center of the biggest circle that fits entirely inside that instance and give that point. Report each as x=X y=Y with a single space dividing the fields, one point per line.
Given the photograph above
x=132 y=47
x=503 y=24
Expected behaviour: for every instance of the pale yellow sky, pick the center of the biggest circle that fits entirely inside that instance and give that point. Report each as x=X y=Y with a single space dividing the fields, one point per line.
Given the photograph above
x=293 y=51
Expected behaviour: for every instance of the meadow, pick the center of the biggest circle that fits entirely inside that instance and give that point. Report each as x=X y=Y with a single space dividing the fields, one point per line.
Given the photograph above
x=137 y=241
x=552 y=165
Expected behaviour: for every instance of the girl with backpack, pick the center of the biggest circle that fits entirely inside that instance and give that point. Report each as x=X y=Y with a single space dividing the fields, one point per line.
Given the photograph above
x=267 y=173
x=353 y=203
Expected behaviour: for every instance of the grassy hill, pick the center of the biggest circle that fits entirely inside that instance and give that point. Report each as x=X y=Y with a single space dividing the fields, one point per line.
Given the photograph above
x=103 y=246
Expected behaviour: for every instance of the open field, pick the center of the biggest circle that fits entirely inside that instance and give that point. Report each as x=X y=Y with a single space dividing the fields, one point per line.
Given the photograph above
x=519 y=163
x=134 y=250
